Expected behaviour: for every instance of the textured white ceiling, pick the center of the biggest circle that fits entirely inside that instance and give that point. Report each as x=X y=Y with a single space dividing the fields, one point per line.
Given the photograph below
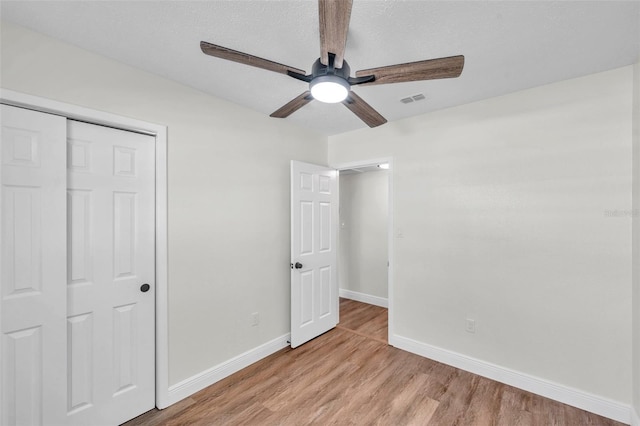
x=508 y=46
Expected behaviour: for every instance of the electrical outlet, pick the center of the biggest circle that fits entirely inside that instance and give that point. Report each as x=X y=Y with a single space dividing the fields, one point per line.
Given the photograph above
x=471 y=326
x=255 y=319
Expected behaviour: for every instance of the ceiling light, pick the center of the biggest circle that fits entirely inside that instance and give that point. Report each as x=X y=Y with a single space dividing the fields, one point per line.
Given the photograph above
x=384 y=166
x=329 y=88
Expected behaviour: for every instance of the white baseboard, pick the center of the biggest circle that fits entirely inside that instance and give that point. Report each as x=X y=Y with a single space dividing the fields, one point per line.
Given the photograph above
x=635 y=418
x=567 y=395
x=208 y=377
x=364 y=298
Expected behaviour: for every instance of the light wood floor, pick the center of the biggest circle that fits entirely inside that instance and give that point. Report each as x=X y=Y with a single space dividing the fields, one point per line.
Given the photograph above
x=350 y=376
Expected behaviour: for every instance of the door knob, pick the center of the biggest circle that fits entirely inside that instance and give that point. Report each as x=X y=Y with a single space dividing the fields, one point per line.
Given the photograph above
x=145 y=288
x=298 y=265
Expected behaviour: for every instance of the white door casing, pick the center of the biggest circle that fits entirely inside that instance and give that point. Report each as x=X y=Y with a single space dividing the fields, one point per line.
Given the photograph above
x=110 y=324
x=33 y=268
x=314 y=283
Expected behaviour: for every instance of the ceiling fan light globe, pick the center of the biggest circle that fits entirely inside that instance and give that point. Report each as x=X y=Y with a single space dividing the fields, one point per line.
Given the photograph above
x=329 y=89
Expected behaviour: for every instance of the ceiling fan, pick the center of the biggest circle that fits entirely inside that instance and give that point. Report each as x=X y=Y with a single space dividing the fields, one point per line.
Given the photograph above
x=330 y=79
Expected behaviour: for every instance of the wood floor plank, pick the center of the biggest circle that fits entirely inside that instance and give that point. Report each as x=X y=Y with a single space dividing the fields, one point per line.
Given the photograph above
x=350 y=376
x=411 y=405
x=514 y=408
x=484 y=406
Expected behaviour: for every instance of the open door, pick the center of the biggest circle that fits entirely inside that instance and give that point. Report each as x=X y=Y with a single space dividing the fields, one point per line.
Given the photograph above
x=314 y=279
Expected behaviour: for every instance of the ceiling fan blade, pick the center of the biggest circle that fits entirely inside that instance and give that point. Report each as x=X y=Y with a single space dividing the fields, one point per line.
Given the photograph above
x=245 y=58
x=363 y=110
x=415 y=71
x=293 y=105
x=334 y=25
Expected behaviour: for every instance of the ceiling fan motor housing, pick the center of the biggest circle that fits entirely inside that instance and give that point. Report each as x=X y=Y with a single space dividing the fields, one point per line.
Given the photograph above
x=328 y=83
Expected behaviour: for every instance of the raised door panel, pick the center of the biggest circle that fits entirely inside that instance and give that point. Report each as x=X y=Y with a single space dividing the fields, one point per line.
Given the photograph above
x=326 y=292
x=124 y=234
x=79 y=155
x=22 y=377
x=79 y=247
x=306 y=227
x=124 y=161
x=21 y=146
x=307 y=293
x=80 y=361
x=326 y=227
x=324 y=184
x=124 y=348
x=22 y=241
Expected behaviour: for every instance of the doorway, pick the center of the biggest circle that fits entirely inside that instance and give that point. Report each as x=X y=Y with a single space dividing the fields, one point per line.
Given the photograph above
x=364 y=262
x=315 y=223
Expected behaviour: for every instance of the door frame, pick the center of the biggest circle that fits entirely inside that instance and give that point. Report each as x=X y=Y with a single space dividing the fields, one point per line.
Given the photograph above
x=36 y=103
x=390 y=233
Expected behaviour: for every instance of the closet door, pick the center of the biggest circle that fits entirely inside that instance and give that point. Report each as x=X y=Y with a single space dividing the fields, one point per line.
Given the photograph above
x=111 y=274
x=77 y=297
x=33 y=268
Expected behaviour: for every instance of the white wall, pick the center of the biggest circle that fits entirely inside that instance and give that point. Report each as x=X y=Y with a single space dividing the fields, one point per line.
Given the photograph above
x=508 y=211
x=636 y=243
x=228 y=193
x=364 y=210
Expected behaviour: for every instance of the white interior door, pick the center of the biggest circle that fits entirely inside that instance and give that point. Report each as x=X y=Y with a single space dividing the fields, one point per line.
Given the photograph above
x=314 y=282
x=33 y=379
x=111 y=267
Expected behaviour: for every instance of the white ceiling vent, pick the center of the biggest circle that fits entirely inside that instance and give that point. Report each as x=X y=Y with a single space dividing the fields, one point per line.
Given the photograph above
x=413 y=98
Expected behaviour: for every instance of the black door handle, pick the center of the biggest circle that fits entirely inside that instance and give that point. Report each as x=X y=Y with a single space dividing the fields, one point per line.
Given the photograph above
x=298 y=265
x=145 y=288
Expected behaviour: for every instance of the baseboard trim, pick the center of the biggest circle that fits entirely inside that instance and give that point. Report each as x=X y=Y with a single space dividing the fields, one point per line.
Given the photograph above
x=364 y=298
x=567 y=395
x=635 y=418
x=208 y=377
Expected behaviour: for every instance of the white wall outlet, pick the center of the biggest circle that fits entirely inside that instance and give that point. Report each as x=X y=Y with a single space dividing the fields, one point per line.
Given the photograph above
x=255 y=319
x=471 y=326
